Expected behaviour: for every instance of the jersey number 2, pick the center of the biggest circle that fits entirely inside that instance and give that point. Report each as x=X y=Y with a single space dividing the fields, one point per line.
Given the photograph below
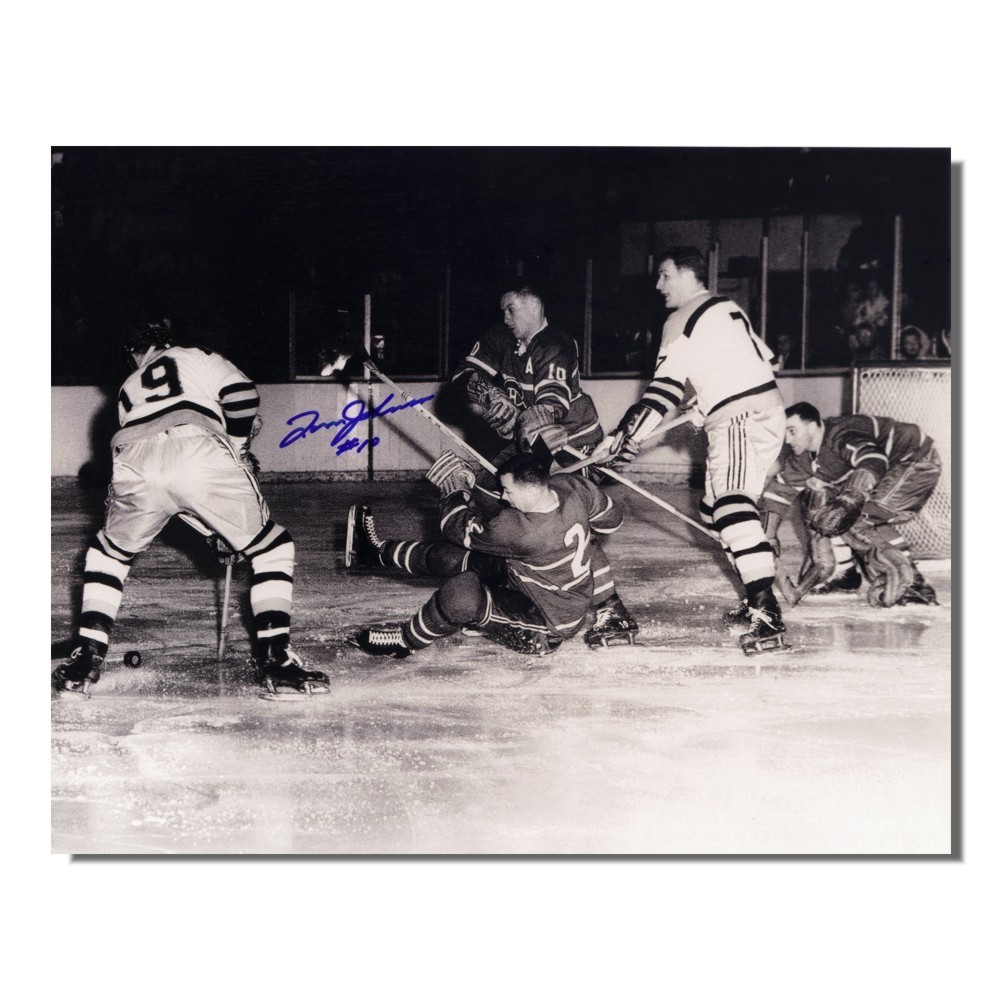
x=576 y=535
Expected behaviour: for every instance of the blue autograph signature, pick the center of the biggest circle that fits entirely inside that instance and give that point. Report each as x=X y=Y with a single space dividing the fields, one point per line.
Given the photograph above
x=351 y=415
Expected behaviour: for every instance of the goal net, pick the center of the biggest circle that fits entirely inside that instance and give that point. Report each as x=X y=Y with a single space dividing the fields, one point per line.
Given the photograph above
x=917 y=393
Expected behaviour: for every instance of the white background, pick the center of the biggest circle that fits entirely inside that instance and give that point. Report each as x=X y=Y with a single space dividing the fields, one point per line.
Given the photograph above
x=761 y=74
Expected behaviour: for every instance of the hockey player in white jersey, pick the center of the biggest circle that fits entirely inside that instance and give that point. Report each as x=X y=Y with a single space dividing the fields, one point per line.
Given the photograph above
x=708 y=342
x=187 y=416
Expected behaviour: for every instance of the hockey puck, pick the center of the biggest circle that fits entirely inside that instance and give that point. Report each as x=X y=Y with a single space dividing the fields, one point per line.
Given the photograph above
x=133 y=658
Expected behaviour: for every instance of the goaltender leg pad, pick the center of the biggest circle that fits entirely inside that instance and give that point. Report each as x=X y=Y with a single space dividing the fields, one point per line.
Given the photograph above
x=892 y=576
x=822 y=556
x=886 y=563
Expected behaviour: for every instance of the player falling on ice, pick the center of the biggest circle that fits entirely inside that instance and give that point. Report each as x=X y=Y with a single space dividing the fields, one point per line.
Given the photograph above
x=522 y=379
x=524 y=577
x=187 y=417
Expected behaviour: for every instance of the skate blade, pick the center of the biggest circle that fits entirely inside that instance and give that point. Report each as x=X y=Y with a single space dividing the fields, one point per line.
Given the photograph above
x=72 y=694
x=311 y=690
x=775 y=644
x=625 y=639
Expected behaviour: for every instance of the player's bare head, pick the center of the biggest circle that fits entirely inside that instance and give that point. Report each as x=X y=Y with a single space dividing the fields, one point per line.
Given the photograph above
x=803 y=427
x=525 y=482
x=686 y=258
x=526 y=468
x=523 y=311
x=681 y=274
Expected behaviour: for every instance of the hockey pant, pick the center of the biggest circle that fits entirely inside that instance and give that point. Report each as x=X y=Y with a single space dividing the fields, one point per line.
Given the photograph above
x=187 y=470
x=903 y=490
x=741 y=450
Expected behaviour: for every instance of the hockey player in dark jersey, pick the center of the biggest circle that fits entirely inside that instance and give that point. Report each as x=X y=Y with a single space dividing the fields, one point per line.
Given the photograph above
x=525 y=577
x=187 y=418
x=523 y=379
x=857 y=477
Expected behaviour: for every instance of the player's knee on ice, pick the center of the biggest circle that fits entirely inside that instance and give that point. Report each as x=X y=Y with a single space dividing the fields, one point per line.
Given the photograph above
x=462 y=599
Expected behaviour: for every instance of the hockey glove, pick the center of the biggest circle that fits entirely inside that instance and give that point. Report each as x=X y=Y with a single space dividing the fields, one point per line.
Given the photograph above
x=451 y=474
x=639 y=420
x=493 y=404
x=540 y=422
x=837 y=516
x=221 y=550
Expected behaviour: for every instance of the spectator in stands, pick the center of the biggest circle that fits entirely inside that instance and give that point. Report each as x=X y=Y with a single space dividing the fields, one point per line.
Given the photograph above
x=865 y=345
x=787 y=352
x=914 y=344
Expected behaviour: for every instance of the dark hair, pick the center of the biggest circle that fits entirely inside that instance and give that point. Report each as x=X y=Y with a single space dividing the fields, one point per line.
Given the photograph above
x=686 y=257
x=525 y=292
x=525 y=468
x=804 y=411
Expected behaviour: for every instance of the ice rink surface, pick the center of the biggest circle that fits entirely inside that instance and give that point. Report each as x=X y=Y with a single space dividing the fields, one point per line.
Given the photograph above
x=682 y=746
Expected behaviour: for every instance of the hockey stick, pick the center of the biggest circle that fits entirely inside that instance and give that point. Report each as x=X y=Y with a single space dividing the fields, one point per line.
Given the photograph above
x=682 y=417
x=649 y=496
x=224 y=620
x=789 y=591
x=444 y=428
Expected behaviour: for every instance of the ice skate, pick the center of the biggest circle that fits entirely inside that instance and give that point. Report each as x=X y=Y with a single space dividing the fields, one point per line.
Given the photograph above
x=766 y=630
x=284 y=678
x=613 y=626
x=384 y=641
x=919 y=592
x=364 y=547
x=79 y=673
x=523 y=640
x=739 y=617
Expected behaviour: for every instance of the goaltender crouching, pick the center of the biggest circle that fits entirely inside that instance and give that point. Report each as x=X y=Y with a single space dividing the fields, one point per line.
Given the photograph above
x=856 y=478
x=526 y=578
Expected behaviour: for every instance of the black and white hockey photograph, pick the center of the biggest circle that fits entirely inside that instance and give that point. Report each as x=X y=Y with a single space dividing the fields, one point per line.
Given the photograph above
x=518 y=493
x=502 y=501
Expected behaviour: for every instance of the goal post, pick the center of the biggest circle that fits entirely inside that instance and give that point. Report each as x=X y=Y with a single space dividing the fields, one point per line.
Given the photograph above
x=916 y=392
